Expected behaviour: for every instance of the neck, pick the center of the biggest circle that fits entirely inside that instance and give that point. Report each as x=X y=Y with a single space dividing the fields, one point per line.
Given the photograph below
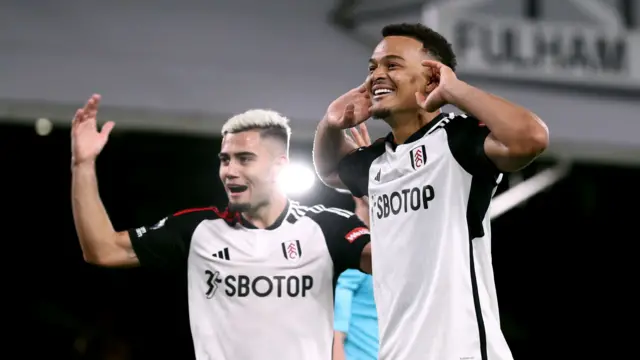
x=403 y=125
x=264 y=216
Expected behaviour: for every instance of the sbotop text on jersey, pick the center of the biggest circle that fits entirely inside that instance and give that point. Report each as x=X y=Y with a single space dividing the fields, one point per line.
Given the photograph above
x=405 y=200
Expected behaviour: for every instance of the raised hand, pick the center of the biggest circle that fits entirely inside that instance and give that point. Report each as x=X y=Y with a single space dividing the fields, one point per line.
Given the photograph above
x=86 y=140
x=350 y=109
x=440 y=79
x=360 y=135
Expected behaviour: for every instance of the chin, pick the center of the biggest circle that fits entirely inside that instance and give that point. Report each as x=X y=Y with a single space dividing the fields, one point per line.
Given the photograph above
x=380 y=113
x=239 y=206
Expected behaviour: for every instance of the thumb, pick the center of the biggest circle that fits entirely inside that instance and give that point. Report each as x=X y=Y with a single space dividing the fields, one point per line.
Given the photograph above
x=106 y=129
x=421 y=99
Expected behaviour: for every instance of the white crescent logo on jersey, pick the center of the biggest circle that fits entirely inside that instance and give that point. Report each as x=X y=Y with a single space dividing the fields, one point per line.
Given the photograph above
x=291 y=249
x=418 y=156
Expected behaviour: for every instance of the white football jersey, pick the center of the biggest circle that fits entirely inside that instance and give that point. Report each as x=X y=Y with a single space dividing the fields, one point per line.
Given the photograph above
x=431 y=241
x=258 y=293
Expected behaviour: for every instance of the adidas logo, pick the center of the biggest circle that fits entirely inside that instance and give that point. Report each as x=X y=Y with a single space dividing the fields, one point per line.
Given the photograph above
x=222 y=254
x=377 y=178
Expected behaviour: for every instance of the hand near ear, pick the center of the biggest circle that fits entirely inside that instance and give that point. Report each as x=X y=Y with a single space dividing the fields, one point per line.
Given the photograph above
x=350 y=109
x=440 y=79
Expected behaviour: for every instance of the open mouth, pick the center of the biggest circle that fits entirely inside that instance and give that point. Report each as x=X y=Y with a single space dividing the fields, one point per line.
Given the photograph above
x=237 y=189
x=381 y=92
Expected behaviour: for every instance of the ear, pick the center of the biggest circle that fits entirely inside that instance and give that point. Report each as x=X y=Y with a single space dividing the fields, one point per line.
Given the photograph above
x=281 y=162
x=431 y=81
x=431 y=85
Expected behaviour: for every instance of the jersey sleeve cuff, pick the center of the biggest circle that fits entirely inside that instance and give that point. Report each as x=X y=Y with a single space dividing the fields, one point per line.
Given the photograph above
x=137 y=244
x=341 y=325
x=358 y=246
x=487 y=166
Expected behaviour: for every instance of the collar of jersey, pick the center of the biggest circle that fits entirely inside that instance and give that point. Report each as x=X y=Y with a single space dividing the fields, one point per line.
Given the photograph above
x=276 y=224
x=416 y=135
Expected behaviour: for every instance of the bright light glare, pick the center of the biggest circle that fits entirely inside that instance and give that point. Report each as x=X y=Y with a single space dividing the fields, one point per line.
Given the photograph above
x=296 y=179
x=43 y=126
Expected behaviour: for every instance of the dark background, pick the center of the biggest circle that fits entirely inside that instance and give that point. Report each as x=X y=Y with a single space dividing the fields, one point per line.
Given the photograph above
x=563 y=262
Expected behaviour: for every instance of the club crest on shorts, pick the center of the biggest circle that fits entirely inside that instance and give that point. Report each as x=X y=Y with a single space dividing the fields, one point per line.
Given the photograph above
x=418 y=156
x=291 y=250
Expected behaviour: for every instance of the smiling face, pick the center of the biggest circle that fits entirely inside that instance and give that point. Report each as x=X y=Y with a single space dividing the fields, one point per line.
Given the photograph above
x=249 y=166
x=396 y=73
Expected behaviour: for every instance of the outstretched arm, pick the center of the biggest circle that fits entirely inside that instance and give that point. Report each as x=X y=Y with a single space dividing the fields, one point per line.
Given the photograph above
x=164 y=244
x=100 y=243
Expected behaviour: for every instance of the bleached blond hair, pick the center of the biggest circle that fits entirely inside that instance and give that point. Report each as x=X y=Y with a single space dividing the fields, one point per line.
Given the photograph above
x=268 y=122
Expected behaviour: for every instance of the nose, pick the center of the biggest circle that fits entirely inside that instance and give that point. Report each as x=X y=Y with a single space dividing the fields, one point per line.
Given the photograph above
x=377 y=78
x=378 y=74
x=230 y=171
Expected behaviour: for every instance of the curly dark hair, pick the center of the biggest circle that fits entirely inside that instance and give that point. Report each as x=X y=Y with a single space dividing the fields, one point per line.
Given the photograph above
x=434 y=44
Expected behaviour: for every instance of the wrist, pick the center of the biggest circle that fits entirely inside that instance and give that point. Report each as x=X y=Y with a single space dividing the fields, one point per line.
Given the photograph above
x=329 y=125
x=456 y=91
x=83 y=165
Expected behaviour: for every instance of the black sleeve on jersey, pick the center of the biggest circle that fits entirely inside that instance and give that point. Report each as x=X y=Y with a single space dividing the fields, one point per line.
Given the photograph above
x=353 y=169
x=346 y=237
x=466 y=140
x=166 y=244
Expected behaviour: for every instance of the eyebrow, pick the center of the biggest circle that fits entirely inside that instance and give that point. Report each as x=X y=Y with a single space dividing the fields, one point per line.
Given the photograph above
x=241 y=153
x=387 y=57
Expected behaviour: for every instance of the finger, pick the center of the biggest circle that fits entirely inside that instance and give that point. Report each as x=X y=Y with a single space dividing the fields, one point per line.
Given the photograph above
x=93 y=104
x=89 y=103
x=349 y=114
x=106 y=128
x=361 y=139
x=349 y=139
x=362 y=88
x=432 y=63
x=357 y=137
x=365 y=134
x=78 y=117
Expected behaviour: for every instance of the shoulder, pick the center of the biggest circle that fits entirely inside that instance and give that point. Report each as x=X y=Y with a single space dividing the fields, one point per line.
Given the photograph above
x=337 y=222
x=461 y=125
x=328 y=218
x=466 y=136
x=322 y=213
x=366 y=154
x=192 y=217
x=205 y=213
x=353 y=169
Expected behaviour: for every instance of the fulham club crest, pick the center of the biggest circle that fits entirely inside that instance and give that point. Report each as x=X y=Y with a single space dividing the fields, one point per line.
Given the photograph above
x=418 y=157
x=291 y=250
